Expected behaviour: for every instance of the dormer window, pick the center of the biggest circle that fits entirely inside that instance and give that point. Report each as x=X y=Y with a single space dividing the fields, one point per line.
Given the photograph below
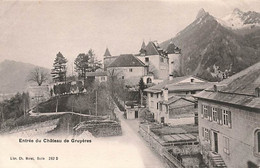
x=191 y=80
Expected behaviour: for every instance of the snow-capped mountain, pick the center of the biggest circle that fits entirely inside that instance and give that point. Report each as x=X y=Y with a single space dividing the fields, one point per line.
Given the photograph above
x=239 y=19
x=210 y=49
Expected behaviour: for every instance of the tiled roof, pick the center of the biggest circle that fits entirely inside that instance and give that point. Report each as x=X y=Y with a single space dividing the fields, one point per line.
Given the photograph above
x=174 y=99
x=151 y=49
x=239 y=89
x=127 y=60
x=101 y=73
x=174 y=85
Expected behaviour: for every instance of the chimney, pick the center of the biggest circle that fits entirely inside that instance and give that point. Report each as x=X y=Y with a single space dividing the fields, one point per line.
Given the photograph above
x=165 y=94
x=215 y=88
x=257 y=92
x=170 y=77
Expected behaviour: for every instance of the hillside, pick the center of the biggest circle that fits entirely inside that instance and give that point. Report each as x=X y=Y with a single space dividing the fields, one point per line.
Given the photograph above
x=14 y=75
x=210 y=49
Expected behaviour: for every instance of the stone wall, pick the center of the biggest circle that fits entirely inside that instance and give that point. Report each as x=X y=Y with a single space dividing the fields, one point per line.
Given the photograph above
x=153 y=140
x=102 y=129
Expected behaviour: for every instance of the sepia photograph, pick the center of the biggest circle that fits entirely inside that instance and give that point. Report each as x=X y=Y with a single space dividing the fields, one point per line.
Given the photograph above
x=130 y=84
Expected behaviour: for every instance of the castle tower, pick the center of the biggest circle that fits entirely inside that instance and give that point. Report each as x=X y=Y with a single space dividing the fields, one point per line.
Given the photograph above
x=174 y=54
x=107 y=53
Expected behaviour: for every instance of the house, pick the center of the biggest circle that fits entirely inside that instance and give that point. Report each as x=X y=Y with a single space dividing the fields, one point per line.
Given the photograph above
x=132 y=110
x=128 y=67
x=229 y=120
x=185 y=86
x=156 y=58
x=177 y=110
x=98 y=76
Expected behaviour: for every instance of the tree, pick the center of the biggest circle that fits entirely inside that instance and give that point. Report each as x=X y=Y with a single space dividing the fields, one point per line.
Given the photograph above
x=86 y=63
x=38 y=75
x=59 y=68
x=141 y=89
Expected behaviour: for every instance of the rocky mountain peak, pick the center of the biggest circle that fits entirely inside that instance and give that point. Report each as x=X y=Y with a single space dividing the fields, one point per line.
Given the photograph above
x=237 y=11
x=201 y=13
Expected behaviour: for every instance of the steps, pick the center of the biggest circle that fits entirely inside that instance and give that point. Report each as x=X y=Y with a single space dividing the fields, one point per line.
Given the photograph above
x=216 y=160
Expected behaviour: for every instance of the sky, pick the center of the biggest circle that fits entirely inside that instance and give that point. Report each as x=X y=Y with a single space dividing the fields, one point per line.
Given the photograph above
x=34 y=32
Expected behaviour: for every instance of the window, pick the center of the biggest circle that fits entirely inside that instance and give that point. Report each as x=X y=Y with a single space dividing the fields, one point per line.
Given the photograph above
x=157 y=95
x=227 y=118
x=226 y=145
x=123 y=77
x=204 y=111
x=131 y=70
x=103 y=78
x=160 y=107
x=161 y=59
x=157 y=105
x=151 y=94
x=191 y=80
x=146 y=59
x=151 y=104
x=148 y=80
x=257 y=142
x=206 y=134
x=214 y=114
x=193 y=92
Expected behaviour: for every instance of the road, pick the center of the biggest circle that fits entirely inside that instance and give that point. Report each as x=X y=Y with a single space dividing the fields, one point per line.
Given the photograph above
x=131 y=136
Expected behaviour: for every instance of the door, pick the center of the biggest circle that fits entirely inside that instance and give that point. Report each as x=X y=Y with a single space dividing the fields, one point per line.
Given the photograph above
x=162 y=120
x=136 y=114
x=215 y=142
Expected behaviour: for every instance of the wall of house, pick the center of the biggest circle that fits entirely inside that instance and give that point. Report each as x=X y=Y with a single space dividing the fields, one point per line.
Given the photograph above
x=182 y=113
x=130 y=112
x=101 y=78
x=152 y=104
x=158 y=68
x=127 y=73
x=241 y=136
x=174 y=63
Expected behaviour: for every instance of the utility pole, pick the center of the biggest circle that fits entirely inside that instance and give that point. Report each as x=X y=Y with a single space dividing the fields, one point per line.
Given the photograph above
x=57 y=103
x=96 y=103
x=24 y=109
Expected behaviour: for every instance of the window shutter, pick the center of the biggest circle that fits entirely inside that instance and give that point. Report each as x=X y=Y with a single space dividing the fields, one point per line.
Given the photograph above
x=210 y=113
x=205 y=112
x=157 y=105
x=220 y=116
x=229 y=119
x=202 y=115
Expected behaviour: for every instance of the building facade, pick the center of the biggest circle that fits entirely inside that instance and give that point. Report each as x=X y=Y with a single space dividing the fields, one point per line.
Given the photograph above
x=229 y=121
x=183 y=87
x=156 y=59
x=128 y=67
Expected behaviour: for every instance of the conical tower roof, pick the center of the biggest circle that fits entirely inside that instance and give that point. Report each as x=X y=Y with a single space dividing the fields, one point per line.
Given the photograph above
x=143 y=45
x=107 y=53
